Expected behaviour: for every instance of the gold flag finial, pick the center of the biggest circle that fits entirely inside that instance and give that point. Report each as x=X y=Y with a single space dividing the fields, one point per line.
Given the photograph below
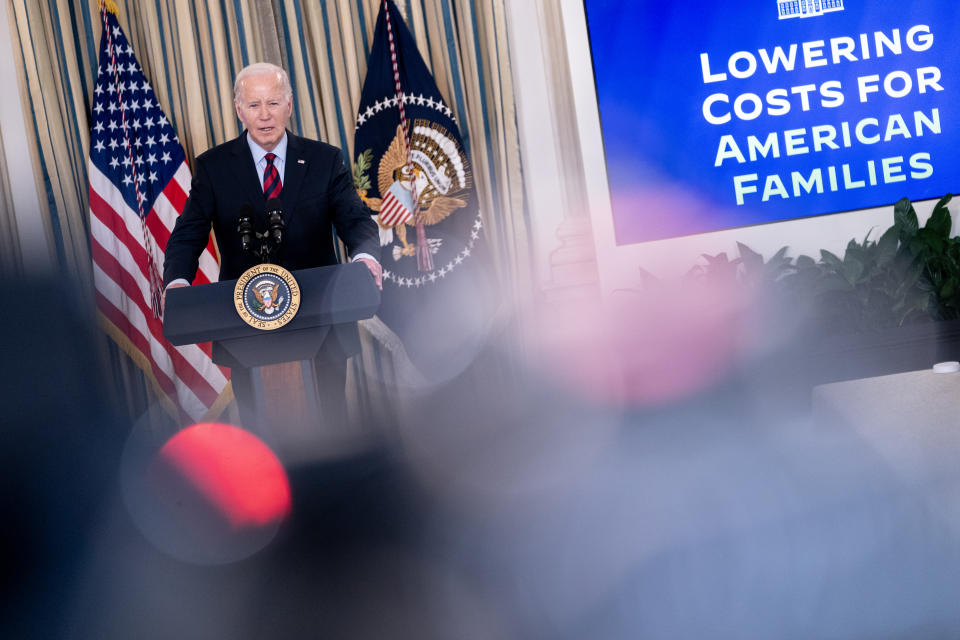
x=111 y=6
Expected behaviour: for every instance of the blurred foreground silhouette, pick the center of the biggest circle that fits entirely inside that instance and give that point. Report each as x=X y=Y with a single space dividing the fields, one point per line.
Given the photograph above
x=511 y=506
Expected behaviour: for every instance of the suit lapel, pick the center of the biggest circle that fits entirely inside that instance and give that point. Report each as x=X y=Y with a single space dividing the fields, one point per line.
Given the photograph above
x=293 y=172
x=246 y=172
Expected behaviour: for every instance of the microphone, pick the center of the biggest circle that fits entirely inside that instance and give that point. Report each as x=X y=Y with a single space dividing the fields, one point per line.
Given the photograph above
x=276 y=225
x=245 y=226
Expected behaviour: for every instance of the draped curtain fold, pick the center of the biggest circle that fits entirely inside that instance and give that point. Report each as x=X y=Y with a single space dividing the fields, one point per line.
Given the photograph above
x=191 y=52
x=11 y=259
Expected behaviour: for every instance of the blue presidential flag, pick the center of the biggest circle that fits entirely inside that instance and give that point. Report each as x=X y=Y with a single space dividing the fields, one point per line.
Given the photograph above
x=411 y=170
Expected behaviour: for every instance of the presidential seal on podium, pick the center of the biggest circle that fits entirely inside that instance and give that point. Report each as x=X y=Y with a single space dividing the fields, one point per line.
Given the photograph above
x=266 y=296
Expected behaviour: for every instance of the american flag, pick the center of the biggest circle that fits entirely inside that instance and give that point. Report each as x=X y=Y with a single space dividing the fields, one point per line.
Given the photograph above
x=139 y=182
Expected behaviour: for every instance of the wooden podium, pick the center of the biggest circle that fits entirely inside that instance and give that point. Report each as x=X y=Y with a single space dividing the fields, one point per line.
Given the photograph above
x=285 y=398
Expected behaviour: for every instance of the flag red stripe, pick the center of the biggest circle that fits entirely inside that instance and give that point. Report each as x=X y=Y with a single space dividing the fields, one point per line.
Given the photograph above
x=118 y=274
x=176 y=195
x=114 y=222
x=158 y=230
x=182 y=368
x=105 y=214
x=178 y=200
x=207 y=348
x=121 y=322
x=201 y=277
x=162 y=235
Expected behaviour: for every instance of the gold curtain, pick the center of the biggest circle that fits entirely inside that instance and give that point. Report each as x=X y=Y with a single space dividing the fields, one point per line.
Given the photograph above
x=190 y=53
x=11 y=260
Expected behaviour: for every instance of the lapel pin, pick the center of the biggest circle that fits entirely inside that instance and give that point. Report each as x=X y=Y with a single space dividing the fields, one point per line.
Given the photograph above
x=301 y=161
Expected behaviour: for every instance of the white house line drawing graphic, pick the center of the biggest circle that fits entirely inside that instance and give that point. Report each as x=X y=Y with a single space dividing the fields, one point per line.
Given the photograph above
x=807 y=8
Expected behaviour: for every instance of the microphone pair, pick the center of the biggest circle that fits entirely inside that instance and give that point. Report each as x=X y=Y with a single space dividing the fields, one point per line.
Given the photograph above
x=275 y=227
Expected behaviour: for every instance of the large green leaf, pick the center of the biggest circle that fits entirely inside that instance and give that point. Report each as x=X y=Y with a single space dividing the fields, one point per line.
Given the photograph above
x=905 y=219
x=781 y=254
x=853 y=269
x=887 y=246
x=856 y=251
x=831 y=259
x=939 y=222
x=833 y=282
x=751 y=259
x=942 y=202
x=949 y=287
x=719 y=259
x=778 y=265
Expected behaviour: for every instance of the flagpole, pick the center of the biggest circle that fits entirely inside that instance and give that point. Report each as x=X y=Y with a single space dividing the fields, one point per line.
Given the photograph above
x=424 y=259
x=152 y=271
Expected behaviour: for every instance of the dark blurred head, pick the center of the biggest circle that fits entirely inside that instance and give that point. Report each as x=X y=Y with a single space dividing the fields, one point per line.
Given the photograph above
x=60 y=449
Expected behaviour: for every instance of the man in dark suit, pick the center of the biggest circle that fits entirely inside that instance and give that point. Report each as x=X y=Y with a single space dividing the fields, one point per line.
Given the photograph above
x=317 y=193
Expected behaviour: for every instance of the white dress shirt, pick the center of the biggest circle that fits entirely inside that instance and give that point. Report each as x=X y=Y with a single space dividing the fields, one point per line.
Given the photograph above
x=260 y=157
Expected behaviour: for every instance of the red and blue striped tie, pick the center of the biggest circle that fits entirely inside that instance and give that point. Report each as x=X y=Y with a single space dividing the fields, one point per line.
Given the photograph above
x=271 y=178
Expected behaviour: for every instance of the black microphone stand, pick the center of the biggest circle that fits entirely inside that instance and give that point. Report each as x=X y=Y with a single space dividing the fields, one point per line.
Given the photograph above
x=271 y=239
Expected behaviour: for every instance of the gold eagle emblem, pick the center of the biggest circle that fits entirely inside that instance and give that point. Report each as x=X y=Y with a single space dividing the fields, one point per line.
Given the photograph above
x=266 y=297
x=436 y=173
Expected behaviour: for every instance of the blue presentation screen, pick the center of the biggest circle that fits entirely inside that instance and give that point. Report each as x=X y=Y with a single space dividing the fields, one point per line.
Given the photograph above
x=718 y=115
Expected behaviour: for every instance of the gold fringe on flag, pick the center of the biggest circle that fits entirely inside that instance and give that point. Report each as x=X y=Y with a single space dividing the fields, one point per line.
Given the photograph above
x=111 y=6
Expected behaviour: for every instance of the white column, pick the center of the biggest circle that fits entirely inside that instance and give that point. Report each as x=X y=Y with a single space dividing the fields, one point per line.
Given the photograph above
x=564 y=258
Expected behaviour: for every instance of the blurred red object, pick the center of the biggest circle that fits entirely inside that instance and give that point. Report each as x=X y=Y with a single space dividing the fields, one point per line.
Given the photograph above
x=222 y=488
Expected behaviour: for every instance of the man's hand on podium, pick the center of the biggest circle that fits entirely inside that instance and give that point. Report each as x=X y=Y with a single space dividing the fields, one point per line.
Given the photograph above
x=163 y=297
x=375 y=269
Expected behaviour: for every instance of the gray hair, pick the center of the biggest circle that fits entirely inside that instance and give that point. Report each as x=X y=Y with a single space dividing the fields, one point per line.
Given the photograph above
x=260 y=69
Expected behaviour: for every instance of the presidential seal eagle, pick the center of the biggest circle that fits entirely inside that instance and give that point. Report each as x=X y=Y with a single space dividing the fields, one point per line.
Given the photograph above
x=437 y=173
